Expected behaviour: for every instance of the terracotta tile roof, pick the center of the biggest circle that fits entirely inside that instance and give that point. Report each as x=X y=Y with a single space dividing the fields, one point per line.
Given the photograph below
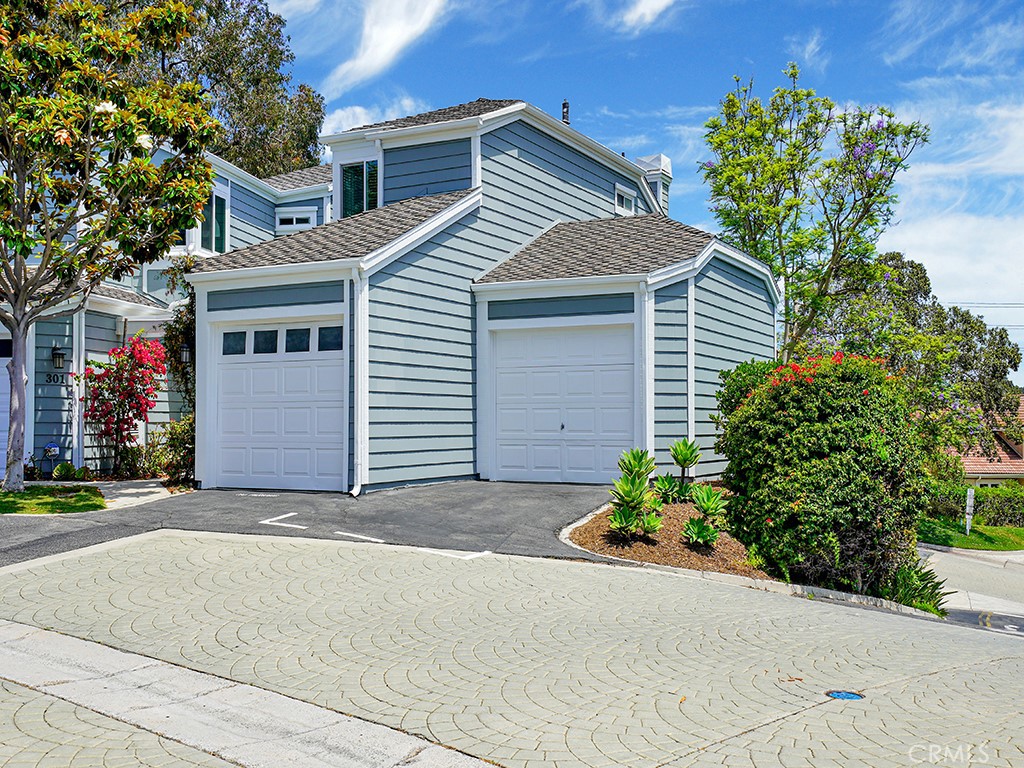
x=1006 y=461
x=351 y=237
x=616 y=246
x=303 y=177
x=458 y=112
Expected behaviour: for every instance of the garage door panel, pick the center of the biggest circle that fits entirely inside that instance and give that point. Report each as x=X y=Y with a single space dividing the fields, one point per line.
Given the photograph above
x=264 y=422
x=330 y=422
x=297 y=422
x=329 y=463
x=264 y=461
x=330 y=380
x=234 y=382
x=298 y=381
x=296 y=462
x=233 y=461
x=265 y=381
x=234 y=422
x=574 y=415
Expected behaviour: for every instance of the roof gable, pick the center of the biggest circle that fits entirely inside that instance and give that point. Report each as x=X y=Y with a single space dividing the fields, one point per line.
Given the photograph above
x=303 y=177
x=447 y=114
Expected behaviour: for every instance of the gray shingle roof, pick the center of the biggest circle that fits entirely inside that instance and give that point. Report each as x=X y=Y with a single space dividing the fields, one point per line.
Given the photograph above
x=126 y=294
x=458 y=112
x=351 y=237
x=619 y=246
x=304 y=177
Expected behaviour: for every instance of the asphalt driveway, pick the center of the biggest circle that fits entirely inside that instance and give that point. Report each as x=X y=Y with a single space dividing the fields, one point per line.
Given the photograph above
x=507 y=518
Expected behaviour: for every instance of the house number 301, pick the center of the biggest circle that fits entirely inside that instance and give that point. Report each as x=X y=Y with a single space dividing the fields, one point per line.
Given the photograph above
x=55 y=378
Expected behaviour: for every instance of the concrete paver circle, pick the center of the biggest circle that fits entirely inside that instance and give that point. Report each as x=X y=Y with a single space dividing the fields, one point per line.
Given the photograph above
x=530 y=662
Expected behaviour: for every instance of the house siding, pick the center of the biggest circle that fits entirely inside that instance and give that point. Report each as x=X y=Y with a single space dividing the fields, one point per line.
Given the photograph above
x=252 y=218
x=276 y=296
x=427 y=169
x=422 y=314
x=564 y=306
x=735 y=322
x=55 y=405
x=670 y=370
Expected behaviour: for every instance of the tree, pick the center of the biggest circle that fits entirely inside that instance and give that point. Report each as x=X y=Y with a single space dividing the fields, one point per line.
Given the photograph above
x=82 y=195
x=241 y=56
x=956 y=368
x=806 y=187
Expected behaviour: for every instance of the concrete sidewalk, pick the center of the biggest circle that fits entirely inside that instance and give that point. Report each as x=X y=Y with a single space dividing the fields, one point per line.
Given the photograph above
x=93 y=697
x=119 y=494
x=981 y=580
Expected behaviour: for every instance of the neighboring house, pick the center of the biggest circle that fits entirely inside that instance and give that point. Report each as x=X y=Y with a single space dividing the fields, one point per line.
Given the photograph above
x=494 y=295
x=242 y=210
x=1006 y=465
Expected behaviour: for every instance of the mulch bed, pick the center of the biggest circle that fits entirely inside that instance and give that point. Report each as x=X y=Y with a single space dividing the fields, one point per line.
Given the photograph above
x=667 y=547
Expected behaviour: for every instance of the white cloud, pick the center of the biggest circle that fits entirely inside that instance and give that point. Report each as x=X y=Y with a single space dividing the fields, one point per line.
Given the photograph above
x=291 y=9
x=631 y=17
x=354 y=115
x=993 y=46
x=913 y=23
x=809 y=51
x=389 y=28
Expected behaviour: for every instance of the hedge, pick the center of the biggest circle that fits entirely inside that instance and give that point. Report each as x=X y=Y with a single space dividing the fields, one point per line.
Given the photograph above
x=1003 y=505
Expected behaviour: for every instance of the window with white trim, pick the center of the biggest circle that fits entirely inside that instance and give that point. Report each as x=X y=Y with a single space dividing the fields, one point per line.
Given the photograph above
x=358 y=187
x=625 y=200
x=213 y=229
x=295 y=219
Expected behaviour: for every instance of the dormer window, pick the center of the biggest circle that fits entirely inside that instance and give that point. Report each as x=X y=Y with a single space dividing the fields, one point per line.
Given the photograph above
x=295 y=219
x=358 y=188
x=625 y=200
x=213 y=230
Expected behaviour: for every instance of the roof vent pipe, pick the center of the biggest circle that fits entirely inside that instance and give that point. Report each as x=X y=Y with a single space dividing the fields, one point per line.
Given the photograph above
x=565 y=111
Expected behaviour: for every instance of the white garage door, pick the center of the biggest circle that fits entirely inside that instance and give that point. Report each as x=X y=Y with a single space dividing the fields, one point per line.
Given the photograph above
x=564 y=409
x=280 y=407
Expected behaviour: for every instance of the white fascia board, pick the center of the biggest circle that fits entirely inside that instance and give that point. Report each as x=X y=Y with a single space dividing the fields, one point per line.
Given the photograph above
x=256 y=276
x=749 y=263
x=223 y=169
x=126 y=309
x=303 y=193
x=569 y=286
x=465 y=125
x=420 y=233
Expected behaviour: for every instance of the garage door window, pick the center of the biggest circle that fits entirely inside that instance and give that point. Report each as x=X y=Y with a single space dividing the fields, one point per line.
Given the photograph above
x=296 y=340
x=264 y=343
x=234 y=343
x=329 y=338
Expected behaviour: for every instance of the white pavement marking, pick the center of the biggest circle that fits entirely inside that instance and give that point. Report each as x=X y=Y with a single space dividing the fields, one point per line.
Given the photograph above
x=273 y=521
x=470 y=556
x=358 y=536
x=240 y=723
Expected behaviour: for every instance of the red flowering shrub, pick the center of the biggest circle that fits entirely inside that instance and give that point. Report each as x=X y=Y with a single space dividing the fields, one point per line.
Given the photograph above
x=120 y=393
x=826 y=468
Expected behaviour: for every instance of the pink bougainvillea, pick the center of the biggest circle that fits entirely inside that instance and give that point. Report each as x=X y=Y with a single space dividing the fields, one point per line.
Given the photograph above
x=120 y=393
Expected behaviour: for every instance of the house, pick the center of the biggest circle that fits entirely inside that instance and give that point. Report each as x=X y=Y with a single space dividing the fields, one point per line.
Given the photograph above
x=487 y=293
x=242 y=210
x=1006 y=465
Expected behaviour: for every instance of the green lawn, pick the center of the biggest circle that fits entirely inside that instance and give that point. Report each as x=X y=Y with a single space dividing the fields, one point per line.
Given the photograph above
x=51 y=500
x=950 y=533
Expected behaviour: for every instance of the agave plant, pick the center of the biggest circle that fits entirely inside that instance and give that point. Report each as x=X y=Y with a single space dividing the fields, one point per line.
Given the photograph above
x=649 y=523
x=707 y=500
x=666 y=488
x=629 y=500
x=637 y=462
x=685 y=453
x=700 y=533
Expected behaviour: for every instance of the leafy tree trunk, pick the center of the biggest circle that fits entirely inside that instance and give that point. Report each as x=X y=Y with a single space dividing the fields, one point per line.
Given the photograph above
x=14 y=479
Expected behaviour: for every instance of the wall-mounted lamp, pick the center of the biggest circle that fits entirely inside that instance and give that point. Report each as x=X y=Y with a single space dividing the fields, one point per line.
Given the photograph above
x=57 y=355
x=185 y=353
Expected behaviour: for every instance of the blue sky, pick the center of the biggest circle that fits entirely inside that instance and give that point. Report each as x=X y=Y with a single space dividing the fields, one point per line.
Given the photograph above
x=643 y=75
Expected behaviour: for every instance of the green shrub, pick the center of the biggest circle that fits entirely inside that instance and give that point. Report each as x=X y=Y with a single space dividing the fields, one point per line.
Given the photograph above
x=83 y=473
x=825 y=469
x=179 y=442
x=700 y=533
x=916 y=585
x=637 y=462
x=64 y=471
x=686 y=454
x=1003 y=505
x=708 y=500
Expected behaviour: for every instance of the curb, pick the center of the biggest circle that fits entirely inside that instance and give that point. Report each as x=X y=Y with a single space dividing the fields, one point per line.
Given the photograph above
x=975 y=552
x=764 y=585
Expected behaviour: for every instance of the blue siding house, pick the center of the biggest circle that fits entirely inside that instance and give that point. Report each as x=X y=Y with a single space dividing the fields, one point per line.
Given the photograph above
x=242 y=211
x=479 y=291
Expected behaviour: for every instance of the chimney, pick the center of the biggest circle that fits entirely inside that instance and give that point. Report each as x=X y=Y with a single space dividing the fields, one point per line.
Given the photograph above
x=658 y=172
x=565 y=111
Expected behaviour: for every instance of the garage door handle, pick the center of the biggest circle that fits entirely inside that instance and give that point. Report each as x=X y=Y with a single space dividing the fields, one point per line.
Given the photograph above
x=563 y=426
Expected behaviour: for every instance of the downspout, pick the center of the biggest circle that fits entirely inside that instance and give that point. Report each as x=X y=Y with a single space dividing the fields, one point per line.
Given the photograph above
x=360 y=356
